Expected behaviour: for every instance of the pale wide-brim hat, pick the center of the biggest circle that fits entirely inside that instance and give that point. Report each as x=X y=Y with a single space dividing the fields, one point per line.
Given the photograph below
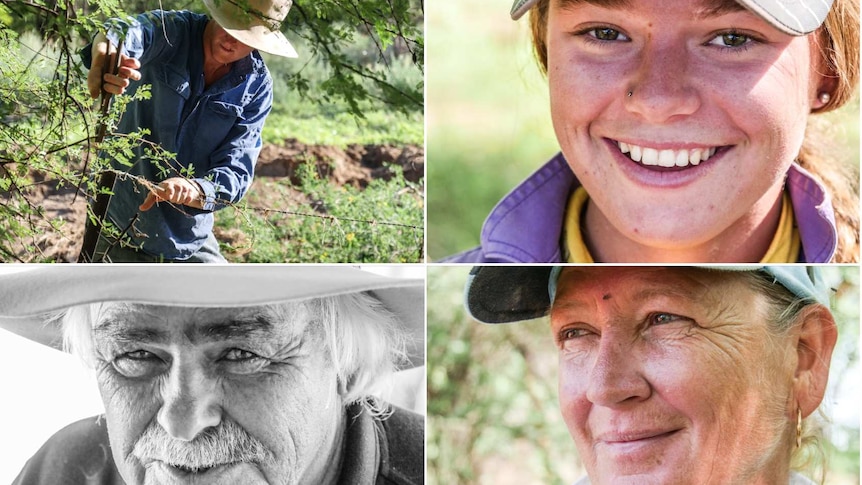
x=794 y=17
x=255 y=23
x=27 y=296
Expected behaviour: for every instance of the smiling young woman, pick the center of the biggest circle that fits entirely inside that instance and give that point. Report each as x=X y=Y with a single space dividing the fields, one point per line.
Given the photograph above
x=683 y=133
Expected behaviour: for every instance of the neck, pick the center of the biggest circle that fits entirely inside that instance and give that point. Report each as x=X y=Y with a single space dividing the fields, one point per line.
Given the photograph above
x=213 y=69
x=745 y=241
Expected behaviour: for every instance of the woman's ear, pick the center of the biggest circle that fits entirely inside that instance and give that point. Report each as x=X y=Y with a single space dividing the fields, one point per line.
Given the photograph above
x=825 y=89
x=816 y=339
x=824 y=79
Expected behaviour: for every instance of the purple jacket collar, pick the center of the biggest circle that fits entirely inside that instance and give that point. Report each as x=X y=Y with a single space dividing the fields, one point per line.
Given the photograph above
x=525 y=226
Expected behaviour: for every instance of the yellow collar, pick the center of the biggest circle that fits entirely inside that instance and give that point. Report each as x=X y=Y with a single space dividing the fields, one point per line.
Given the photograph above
x=784 y=247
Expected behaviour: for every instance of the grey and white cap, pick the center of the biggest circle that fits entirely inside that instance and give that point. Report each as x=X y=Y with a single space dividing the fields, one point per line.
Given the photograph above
x=508 y=293
x=795 y=17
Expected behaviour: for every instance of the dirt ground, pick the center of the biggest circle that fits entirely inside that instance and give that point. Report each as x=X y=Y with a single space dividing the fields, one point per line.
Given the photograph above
x=355 y=165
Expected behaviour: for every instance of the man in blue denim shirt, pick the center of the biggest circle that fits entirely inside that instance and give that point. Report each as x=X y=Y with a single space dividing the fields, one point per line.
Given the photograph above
x=210 y=95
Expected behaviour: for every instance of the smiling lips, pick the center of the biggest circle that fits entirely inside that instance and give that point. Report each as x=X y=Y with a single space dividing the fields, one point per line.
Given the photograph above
x=666 y=158
x=632 y=437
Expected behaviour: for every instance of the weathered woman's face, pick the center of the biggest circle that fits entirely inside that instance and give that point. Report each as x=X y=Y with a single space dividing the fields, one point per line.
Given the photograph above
x=217 y=396
x=717 y=113
x=671 y=376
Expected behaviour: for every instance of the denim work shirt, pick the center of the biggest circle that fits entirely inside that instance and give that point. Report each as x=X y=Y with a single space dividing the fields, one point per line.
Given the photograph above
x=214 y=131
x=526 y=226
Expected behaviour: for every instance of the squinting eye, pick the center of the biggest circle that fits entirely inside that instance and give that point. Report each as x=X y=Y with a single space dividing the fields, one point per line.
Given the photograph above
x=731 y=39
x=239 y=354
x=138 y=363
x=238 y=361
x=572 y=333
x=663 y=318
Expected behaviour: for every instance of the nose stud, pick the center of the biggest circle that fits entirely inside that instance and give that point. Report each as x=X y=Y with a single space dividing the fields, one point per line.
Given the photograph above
x=629 y=95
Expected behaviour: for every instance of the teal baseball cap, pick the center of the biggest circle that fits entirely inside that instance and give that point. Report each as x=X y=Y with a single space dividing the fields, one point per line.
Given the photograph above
x=794 y=17
x=507 y=294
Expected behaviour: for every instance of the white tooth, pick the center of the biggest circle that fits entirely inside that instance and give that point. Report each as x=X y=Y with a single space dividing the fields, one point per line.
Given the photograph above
x=694 y=157
x=650 y=156
x=705 y=154
x=635 y=153
x=682 y=158
x=666 y=158
x=624 y=147
x=712 y=151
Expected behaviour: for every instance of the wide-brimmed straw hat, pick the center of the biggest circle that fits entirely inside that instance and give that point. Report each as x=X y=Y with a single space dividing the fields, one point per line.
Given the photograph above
x=255 y=23
x=795 y=17
x=26 y=296
x=507 y=294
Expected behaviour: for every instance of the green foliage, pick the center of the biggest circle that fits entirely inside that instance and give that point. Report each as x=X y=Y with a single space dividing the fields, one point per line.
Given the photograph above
x=380 y=223
x=361 y=64
x=302 y=113
x=332 y=27
x=492 y=408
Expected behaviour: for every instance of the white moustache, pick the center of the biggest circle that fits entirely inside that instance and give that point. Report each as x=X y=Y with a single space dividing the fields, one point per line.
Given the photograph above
x=228 y=443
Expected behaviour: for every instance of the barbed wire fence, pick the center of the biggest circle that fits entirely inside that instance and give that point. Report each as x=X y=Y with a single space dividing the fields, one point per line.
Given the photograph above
x=43 y=226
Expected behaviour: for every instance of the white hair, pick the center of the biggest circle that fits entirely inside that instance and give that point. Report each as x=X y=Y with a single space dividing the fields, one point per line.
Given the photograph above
x=366 y=342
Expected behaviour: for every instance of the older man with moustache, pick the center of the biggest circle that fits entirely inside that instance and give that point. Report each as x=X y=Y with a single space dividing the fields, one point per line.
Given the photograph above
x=265 y=378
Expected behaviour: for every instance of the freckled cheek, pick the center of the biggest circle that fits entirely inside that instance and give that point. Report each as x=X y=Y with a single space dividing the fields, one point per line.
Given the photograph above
x=578 y=90
x=774 y=112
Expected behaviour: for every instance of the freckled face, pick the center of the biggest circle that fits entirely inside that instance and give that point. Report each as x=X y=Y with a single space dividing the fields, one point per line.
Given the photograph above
x=222 y=47
x=182 y=373
x=716 y=116
x=667 y=376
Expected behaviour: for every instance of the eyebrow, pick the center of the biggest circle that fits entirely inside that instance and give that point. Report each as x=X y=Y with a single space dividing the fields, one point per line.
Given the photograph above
x=706 y=9
x=257 y=326
x=716 y=8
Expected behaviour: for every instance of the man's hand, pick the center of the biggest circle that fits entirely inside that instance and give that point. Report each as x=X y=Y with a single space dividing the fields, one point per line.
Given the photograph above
x=114 y=84
x=177 y=190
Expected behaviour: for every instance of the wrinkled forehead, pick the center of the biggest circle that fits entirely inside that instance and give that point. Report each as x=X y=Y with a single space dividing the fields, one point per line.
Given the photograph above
x=577 y=283
x=166 y=324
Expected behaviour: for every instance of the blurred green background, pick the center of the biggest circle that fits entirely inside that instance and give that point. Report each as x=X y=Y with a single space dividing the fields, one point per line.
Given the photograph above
x=493 y=416
x=488 y=124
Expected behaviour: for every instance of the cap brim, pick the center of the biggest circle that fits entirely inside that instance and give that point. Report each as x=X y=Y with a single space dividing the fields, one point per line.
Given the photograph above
x=508 y=294
x=25 y=296
x=794 y=17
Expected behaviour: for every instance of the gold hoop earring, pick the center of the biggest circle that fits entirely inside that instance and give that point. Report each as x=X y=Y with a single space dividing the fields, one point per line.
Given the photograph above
x=798 y=427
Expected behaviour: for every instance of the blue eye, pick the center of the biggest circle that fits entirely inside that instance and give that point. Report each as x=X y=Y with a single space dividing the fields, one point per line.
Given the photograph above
x=660 y=318
x=572 y=333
